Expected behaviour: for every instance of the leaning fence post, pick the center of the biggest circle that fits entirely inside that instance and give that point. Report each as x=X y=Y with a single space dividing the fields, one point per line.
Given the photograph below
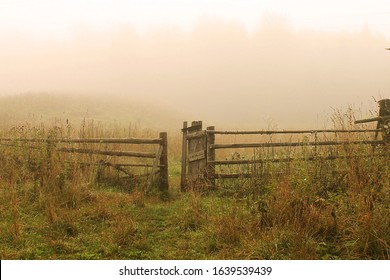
x=164 y=162
x=184 y=158
x=210 y=140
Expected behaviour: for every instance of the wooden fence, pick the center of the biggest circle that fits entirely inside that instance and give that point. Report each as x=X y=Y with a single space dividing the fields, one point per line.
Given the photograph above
x=158 y=161
x=200 y=164
x=199 y=149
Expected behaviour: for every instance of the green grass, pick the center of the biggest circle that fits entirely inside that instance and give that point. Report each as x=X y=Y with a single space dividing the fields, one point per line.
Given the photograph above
x=51 y=209
x=111 y=224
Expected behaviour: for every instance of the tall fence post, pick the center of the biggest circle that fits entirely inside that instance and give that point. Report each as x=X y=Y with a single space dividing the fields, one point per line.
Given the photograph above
x=184 y=158
x=384 y=111
x=164 y=185
x=210 y=165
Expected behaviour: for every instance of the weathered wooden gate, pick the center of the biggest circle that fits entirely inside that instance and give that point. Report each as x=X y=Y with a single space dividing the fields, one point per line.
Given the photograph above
x=194 y=156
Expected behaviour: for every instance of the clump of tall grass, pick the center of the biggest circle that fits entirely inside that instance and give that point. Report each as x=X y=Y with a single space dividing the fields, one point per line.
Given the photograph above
x=125 y=233
x=195 y=213
x=338 y=208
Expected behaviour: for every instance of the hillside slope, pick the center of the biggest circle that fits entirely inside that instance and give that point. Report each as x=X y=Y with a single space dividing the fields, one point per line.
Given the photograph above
x=106 y=109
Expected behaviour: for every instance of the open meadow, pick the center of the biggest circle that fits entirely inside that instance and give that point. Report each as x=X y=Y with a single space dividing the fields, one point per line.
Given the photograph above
x=56 y=203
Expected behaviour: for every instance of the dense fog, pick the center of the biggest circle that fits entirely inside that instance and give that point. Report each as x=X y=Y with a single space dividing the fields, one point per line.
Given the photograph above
x=218 y=72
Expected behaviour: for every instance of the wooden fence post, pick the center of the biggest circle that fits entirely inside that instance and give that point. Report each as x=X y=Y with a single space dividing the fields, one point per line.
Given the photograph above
x=210 y=165
x=384 y=107
x=184 y=158
x=164 y=185
x=384 y=111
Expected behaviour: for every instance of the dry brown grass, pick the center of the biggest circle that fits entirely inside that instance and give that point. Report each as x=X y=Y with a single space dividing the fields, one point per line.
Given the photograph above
x=299 y=210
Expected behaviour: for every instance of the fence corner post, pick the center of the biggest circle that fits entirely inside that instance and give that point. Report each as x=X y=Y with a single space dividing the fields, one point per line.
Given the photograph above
x=164 y=184
x=210 y=165
x=184 y=158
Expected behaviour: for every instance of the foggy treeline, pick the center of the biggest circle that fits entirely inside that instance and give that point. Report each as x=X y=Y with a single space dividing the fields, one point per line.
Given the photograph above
x=218 y=71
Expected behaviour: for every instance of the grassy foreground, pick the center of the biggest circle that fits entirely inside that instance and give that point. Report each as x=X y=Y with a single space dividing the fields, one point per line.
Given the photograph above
x=51 y=208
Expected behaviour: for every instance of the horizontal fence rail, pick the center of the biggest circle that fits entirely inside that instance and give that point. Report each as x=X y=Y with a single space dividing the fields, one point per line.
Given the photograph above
x=118 y=164
x=158 y=166
x=368 y=138
x=89 y=140
x=269 y=132
x=310 y=158
x=108 y=153
x=199 y=150
x=295 y=144
x=383 y=118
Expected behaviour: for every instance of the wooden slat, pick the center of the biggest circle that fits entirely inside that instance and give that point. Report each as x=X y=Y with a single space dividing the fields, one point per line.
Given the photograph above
x=105 y=163
x=99 y=152
x=376 y=119
x=295 y=144
x=238 y=162
x=118 y=164
x=233 y=175
x=118 y=167
x=195 y=126
x=183 y=158
x=89 y=140
x=196 y=156
x=108 y=153
x=210 y=173
x=155 y=165
x=137 y=164
x=164 y=180
x=194 y=135
x=266 y=132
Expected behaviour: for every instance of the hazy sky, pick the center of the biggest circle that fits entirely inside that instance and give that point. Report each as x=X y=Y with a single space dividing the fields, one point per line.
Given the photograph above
x=59 y=17
x=244 y=61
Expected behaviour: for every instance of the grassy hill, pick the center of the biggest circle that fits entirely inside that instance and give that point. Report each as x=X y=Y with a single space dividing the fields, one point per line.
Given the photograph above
x=107 y=109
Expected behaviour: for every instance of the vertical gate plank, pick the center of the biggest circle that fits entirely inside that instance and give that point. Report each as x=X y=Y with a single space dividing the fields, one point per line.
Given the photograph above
x=164 y=185
x=184 y=158
x=210 y=157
